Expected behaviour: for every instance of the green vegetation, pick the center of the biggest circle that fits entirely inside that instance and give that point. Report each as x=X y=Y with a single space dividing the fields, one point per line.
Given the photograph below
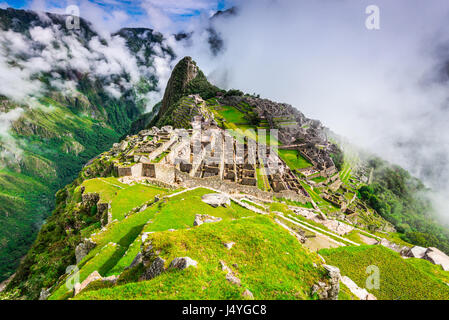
x=294 y=159
x=319 y=179
x=294 y=276
x=399 y=279
x=262 y=180
x=53 y=153
x=397 y=197
x=232 y=114
x=160 y=157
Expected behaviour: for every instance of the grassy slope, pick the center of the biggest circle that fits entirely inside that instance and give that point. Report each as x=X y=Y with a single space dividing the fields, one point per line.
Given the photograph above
x=270 y=263
x=293 y=159
x=174 y=213
x=399 y=279
x=47 y=165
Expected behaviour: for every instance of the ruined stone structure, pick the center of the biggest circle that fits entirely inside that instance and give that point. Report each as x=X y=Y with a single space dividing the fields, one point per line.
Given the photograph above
x=207 y=153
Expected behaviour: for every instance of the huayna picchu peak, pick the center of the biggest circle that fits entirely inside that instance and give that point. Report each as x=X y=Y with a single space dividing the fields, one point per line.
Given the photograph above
x=225 y=196
x=243 y=151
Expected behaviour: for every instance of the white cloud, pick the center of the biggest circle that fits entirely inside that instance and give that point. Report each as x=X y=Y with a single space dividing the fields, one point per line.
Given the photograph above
x=44 y=36
x=375 y=87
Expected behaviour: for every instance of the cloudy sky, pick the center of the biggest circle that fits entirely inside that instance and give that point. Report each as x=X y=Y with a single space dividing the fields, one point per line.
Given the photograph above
x=163 y=15
x=385 y=89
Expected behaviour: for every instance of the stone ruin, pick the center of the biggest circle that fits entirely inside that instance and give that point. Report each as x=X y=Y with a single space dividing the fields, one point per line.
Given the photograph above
x=203 y=152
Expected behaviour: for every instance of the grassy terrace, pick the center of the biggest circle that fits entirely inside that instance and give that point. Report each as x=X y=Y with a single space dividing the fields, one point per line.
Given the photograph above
x=400 y=279
x=345 y=173
x=294 y=159
x=293 y=277
x=177 y=212
x=319 y=179
x=262 y=180
x=232 y=114
x=324 y=205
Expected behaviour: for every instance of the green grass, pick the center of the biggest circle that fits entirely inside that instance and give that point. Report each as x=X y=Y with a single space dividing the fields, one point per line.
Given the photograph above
x=399 y=279
x=179 y=212
x=232 y=114
x=434 y=271
x=102 y=262
x=276 y=250
x=262 y=180
x=345 y=173
x=294 y=159
x=131 y=197
x=107 y=188
x=319 y=179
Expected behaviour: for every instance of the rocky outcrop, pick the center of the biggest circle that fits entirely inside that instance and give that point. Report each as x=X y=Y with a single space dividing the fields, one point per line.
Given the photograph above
x=204 y=218
x=137 y=260
x=216 y=200
x=182 y=263
x=328 y=290
x=154 y=270
x=415 y=252
x=83 y=249
x=89 y=200
x=183 y=73
x=94 y=276
x=431 y=254
x=437 y=257
x=391 y=245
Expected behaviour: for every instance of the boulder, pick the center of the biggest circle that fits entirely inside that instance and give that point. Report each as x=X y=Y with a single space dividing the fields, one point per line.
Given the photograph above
x=182 y=263
x=137 y=260
x=229 y=245
x=415 y=252
x=83 y=249
x=124 y=145
x=437 y=257
x=204 y=218
x=216 y=200
x=154 y=270
x=94 y=276
x=230 y=276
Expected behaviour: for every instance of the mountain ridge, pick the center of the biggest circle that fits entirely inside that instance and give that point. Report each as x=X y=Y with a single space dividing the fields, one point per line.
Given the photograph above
x=136 y=211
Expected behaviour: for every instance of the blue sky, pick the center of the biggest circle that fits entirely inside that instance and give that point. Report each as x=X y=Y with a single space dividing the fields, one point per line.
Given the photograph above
x=113 y=14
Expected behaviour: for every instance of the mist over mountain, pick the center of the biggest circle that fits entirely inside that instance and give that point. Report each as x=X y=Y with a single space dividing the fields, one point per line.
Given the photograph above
x=386 y=90
x=66 y=95
x=98 y=112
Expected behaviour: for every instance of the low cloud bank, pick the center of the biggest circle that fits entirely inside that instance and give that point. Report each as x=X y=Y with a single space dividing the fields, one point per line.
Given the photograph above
x=383 y=89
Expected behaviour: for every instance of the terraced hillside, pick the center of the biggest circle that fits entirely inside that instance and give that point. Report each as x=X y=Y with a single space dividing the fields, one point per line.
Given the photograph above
x=61 y=111
x=144 y=221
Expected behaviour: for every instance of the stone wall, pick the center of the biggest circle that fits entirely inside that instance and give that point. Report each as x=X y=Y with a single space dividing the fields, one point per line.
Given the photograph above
x=226 y=186
x=165 y=173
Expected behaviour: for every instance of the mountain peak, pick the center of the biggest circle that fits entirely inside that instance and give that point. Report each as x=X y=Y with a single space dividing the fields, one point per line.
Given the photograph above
x=184 y=72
